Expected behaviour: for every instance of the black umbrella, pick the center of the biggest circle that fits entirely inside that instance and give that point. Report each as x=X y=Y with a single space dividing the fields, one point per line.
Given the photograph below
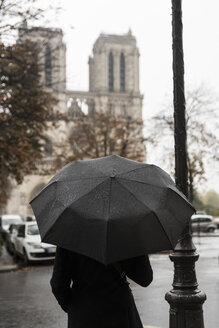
x=111 y=208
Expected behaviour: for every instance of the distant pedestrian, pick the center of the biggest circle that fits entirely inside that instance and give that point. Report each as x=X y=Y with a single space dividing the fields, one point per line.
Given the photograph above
x=95 y=295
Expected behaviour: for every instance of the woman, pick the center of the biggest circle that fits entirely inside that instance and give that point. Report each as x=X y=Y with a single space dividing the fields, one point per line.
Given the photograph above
x=95 y=295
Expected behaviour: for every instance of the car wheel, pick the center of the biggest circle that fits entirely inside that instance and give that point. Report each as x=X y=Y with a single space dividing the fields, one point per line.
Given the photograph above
x=8 y=248
x=14 y=253
x=25 y=257
x=210 y=230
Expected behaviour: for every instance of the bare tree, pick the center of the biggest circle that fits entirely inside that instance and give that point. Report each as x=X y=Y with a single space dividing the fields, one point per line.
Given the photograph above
x=18 y=21
x=102 y=135
x=202 y=142
x=14 y=12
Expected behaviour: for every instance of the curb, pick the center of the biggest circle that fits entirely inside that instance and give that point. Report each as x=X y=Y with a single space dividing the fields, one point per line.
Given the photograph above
x=6 y=262
x=8 y=268
x=205 y=235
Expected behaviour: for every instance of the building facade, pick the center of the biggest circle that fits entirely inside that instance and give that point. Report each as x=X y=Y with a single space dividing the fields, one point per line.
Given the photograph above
x=51 y=54
x=113 y=77
x=113 y=89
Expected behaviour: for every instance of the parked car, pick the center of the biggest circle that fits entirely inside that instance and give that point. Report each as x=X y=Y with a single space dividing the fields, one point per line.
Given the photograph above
x=216 y=221
x=29 y=218
x=203 y=223
x=9 y=239
x=28 y=244
x=6 y=220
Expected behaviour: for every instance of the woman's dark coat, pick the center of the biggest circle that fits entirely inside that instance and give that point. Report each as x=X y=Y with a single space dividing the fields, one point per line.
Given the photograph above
x=95 y=295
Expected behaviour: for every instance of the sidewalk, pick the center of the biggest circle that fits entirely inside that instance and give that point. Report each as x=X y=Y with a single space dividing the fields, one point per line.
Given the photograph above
x=6 y=262
x=206 y=234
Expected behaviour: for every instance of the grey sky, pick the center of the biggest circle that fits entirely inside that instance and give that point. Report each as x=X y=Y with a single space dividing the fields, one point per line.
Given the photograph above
x=150 y=22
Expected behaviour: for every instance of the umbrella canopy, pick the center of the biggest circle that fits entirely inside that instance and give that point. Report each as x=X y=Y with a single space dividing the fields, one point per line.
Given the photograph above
x=111 y=208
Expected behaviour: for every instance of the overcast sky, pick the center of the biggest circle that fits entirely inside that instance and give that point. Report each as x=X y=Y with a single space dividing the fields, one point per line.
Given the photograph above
x=150 y=22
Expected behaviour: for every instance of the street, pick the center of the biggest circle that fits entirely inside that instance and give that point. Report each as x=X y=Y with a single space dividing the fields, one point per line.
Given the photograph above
x=26 y=299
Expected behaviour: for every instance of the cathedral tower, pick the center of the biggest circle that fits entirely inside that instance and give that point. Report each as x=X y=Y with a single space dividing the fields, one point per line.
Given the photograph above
x=51 y=54
x=114 y=75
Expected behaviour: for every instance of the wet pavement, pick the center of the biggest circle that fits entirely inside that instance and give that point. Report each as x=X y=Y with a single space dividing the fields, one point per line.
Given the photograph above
x=26 y=300
x=154 y=310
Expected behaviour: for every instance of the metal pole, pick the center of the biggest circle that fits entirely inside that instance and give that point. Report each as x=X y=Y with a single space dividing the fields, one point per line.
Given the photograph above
x=185 y=298
x=181 y=169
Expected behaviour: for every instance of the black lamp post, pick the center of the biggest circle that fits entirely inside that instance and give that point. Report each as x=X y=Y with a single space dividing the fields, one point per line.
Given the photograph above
x=185 y=298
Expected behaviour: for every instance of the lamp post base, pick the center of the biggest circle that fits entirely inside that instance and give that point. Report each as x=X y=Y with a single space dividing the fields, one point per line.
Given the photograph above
x=185 y=298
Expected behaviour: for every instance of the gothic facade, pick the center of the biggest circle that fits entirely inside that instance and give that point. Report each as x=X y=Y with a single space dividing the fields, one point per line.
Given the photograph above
x=113 y=88
x=113 y=77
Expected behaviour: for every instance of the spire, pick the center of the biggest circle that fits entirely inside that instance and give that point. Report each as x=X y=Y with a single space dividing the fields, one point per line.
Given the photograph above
x=129 y=32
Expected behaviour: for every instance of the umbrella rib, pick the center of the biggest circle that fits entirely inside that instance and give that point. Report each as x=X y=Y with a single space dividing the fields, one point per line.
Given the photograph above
x=84 y=162
x=56 y=181
x=96 y=168
x=44 y=188
x=142 y=182
x=149 y=209
x=184 y=197
x=151 y=165
x=135 y=196
x=169 y=187
x=76 y=200
x=79 y=179
x=54 y=203
x=90 y=190
x=136 y=169
x=153 y=186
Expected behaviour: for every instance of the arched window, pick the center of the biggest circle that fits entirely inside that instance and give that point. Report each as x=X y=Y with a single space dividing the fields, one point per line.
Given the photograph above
x=110 y=72
x=75 y=109
x=122 y=73
x=48 y=67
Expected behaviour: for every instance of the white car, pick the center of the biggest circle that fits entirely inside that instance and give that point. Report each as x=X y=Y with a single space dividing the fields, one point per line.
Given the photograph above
x=28 y=244
x=6 y=220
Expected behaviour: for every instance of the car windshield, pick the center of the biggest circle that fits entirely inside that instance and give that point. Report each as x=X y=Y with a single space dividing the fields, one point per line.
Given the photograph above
x=32 y=230
x=9 y=221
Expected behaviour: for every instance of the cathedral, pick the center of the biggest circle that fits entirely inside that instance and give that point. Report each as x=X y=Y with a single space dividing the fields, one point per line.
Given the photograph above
x=113 y=89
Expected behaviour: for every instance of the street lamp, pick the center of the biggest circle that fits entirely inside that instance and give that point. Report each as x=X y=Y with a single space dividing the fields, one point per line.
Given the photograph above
x=185 y=298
